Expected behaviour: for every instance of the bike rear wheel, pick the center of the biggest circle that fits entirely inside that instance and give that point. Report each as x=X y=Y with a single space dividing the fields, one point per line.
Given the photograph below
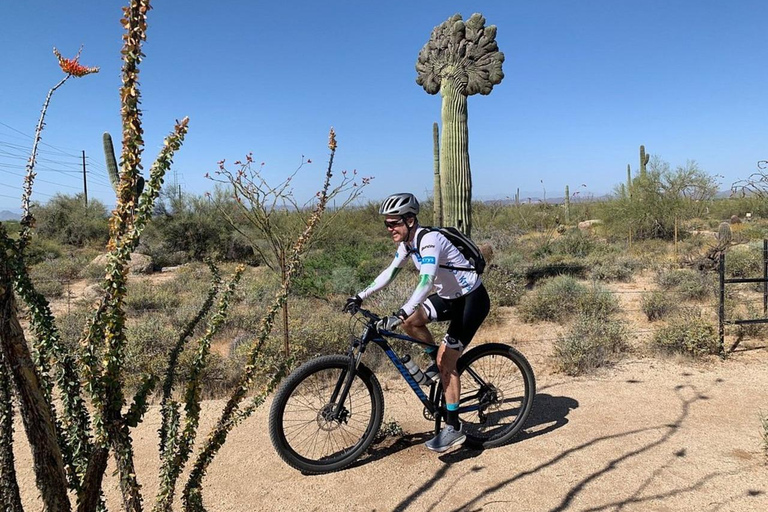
x=301 y=426
x=497 y=391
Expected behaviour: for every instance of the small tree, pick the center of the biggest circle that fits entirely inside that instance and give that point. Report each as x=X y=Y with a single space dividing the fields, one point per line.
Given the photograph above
x=459 y=60
x=270 y=217
x=659 y=196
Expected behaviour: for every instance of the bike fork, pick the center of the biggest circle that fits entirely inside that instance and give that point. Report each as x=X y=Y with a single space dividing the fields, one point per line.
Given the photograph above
x=341 y=390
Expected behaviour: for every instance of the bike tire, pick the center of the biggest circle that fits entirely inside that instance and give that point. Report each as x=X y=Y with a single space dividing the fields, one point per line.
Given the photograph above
x=507 y=401
x=301 y=435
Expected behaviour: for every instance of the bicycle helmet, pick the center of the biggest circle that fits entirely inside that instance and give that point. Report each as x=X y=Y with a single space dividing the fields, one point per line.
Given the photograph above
x=400 y=204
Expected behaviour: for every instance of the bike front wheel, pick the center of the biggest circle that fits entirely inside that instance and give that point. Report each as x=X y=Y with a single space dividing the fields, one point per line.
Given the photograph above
x=303 y=426
x=497 y=391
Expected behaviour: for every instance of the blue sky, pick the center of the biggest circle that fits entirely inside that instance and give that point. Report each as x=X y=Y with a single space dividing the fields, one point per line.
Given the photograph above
x=586 y=82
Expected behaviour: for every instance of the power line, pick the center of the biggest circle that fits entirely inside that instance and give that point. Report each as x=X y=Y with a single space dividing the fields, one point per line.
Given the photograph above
x=60 y=150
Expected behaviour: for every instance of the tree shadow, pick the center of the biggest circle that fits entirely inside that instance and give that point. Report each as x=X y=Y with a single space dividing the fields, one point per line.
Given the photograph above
x=666 y=430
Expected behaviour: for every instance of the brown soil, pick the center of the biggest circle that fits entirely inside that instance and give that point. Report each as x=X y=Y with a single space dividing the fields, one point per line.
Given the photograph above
x=649 y=434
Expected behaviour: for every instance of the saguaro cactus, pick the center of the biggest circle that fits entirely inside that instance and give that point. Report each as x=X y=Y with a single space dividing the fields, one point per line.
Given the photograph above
x=112 y=169
x=567 y=205
x=643 y=160
x=459 y=60
x=629 y=181
x=724 y=235
x=438 y=197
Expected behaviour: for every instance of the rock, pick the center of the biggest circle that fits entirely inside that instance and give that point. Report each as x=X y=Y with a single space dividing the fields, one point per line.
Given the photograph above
x=735 y=219
x=139 y=264
x=587 y=224
x=487 y=252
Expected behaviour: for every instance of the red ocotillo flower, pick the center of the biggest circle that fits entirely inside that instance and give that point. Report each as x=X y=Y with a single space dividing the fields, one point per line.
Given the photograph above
x=72 y=66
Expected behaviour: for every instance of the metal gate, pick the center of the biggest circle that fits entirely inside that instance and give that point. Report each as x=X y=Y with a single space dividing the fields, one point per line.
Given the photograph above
x=724 y=281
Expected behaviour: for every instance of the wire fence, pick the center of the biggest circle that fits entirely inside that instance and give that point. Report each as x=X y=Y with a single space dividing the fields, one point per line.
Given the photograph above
x=68 y=294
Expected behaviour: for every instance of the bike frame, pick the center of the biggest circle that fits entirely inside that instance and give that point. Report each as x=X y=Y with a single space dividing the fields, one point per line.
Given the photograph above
x=371 y=334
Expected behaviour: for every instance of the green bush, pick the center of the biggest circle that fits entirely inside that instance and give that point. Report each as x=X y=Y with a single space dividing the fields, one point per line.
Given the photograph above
x=687 y=333
x=612 y=267
x=687 y=284
x=556 y=300
x=559 y=298
x=504 y=284
x=573 y=243
x=146 y=296
x=658 y=305
x=744 y=261
x=66 y=220
x=590 y=343
x=657 y=199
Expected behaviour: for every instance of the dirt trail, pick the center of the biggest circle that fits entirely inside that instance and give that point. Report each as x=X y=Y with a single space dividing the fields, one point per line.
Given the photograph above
x=648 y=435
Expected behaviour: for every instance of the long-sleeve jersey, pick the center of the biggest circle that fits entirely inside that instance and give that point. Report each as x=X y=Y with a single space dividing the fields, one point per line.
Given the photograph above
x=435 y=251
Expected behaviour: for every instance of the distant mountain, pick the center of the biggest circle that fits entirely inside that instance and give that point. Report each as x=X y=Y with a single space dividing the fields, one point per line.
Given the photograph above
x=6 y=215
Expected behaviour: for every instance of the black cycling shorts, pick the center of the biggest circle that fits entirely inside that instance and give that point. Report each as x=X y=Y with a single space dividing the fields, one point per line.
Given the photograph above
x=466 y=314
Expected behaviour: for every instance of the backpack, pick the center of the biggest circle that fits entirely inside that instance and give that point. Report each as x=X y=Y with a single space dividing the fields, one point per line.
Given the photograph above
x=462 y=242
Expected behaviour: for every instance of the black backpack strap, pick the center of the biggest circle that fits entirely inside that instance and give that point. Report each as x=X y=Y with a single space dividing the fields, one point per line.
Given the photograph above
x=424 y=231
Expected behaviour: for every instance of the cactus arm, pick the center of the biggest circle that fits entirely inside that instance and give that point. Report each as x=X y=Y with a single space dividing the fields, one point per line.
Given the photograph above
x=437 y=192
x=111 y=161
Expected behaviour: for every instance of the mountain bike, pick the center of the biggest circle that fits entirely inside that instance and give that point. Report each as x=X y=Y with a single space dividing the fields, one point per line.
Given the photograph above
x=328 y=411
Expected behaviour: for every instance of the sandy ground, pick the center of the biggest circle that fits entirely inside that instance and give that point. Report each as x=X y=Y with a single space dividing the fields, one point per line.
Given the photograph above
x=649 y=434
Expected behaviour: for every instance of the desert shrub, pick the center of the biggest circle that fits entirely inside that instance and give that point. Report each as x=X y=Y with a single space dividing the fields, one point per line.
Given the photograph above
x=744 y=261
x=687 y=333
x=658 y=305
x=42 y=249
x=504 y=284
x=559 y=298
x=590 y=343
x=597 y=302
x=146 y=296
x=193 y=226
x=659 y=197
x=687 y=284
x=573 y=243
x=749 y=330
x=389 y=428
x=612 y=267
x=150 y=339
x=49 y=288
x=763 y=417
x=66 y=220
x=555 y=300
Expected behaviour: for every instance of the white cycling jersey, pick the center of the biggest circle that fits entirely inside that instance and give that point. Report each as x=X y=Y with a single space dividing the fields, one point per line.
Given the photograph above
x=435 y=251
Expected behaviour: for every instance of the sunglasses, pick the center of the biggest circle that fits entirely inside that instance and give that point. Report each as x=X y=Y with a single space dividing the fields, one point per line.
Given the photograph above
x=392 y=224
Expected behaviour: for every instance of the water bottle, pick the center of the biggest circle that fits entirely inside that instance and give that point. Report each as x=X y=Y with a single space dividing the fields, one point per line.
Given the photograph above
x=414 y=370
x=432 y=372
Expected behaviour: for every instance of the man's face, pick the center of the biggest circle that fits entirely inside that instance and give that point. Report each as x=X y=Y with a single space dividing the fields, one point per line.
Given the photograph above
x=396 y=227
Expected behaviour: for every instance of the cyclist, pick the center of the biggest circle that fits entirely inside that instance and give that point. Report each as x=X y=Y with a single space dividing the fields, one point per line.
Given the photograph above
x=459 y=297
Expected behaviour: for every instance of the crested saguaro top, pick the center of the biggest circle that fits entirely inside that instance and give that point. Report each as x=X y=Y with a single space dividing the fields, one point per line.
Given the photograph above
x=464 y=52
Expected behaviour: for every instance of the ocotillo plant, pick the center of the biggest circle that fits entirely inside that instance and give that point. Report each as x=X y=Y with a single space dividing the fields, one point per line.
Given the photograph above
x=459 y=60
x=643 y=160
x=567 y=205
x=54 y=443
x=437 y=216
x=113 y=170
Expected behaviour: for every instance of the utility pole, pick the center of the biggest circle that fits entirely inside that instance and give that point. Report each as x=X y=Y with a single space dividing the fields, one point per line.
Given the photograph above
x=85 y=184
